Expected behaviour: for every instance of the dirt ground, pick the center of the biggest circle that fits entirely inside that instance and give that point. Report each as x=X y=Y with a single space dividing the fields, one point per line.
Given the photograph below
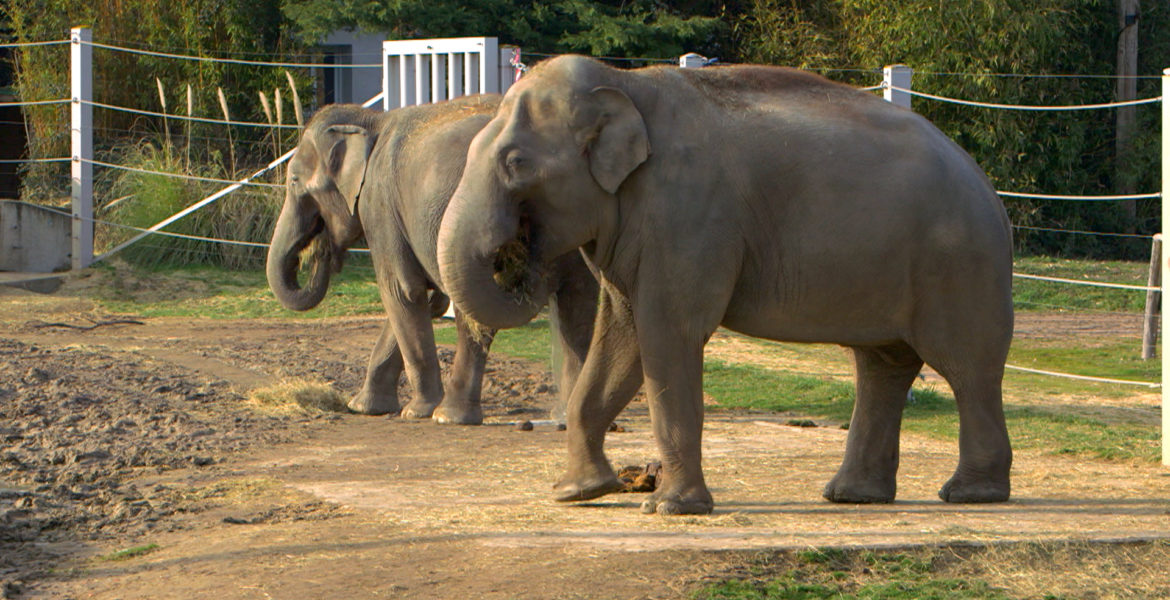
x=137 y=435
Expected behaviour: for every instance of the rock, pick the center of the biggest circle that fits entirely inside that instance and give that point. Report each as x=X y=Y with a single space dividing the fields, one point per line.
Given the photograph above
x=524 y=426
x=35 y=376
x=92 y=456
x=11 y=589
x=801 y=423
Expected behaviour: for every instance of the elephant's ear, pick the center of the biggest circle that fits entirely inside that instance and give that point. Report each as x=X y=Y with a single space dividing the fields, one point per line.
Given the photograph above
x=347 y=161
x=620 y=142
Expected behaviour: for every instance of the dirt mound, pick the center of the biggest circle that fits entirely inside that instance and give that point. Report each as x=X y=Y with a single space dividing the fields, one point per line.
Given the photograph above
x=77 y=426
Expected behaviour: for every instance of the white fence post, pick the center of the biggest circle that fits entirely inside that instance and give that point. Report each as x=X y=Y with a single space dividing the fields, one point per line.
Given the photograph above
x=422 y=71
x=1165 y=261
x=691 y=60
x=81 y=113
x=897 y=76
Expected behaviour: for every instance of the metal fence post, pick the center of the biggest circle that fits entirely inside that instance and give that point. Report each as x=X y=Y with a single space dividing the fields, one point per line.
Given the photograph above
x=81 y=113
x=1165 y=260
x=897 y=76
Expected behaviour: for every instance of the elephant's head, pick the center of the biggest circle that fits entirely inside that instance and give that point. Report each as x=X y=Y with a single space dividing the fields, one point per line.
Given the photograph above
x=325 y=179
x=541 y=179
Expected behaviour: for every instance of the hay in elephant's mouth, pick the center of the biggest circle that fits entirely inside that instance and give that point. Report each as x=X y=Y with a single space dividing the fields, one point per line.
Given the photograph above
x=512 y=269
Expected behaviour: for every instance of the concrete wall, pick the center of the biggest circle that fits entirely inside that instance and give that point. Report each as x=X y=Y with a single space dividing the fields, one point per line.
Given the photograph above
x=32 y=239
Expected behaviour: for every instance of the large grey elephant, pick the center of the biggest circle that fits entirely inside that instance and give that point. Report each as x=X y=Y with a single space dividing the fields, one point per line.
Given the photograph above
x=388 y=176
x=766 y=200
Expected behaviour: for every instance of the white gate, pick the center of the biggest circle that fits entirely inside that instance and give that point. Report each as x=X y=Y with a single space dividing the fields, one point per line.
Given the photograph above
x=422 y=71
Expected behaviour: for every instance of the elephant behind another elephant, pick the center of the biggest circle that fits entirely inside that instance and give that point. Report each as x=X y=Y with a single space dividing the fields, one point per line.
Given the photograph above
x=387 y=177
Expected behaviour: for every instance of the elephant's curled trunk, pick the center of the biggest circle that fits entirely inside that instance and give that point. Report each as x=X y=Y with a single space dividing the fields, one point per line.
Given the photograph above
x=291 y=236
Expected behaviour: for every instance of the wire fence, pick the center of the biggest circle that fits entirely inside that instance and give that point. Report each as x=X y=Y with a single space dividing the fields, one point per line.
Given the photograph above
x=231 y=185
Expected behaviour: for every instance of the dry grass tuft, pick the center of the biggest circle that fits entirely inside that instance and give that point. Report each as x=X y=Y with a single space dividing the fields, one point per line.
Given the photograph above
x=1075 y=570
x=299 y=396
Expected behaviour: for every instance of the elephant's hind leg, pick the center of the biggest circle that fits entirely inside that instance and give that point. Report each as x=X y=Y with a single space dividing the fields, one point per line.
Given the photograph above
x=461 y=400
x=868 y=473
x=379 y=393
x=985 y=453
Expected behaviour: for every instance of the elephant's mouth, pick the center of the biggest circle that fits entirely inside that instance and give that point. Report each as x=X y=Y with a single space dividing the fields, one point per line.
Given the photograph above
x=516 y=266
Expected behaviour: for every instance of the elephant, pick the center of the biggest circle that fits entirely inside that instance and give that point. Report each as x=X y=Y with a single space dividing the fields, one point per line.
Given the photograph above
x=387 y=177
x=766 y=200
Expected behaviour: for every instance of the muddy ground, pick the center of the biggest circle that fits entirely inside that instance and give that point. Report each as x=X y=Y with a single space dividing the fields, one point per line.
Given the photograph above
x=138 y=436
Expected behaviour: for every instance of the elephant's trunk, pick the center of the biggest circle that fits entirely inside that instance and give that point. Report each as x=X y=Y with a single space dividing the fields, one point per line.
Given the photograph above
x=295 y=230
x=487 y=264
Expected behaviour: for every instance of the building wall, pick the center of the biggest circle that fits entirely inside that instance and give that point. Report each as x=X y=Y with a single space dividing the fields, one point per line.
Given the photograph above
x=32 y=239
x=355 y=85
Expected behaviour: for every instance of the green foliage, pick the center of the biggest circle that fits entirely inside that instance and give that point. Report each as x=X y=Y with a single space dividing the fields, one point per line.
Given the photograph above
x=247 y=215
x=635 y=28
x=237 y=29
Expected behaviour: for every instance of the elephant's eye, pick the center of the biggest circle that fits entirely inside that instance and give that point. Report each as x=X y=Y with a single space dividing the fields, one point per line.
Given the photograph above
x=517 y=168
x=515 y=163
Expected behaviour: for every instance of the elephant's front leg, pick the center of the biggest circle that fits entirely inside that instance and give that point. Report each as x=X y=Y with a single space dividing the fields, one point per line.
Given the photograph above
x=379 y=393
x=572 y=315
x=411 y=320
x=673 y=367
x=607 y=382
x=461 y=402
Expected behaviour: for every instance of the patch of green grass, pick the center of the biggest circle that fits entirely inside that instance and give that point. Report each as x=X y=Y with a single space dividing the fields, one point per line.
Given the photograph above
x=216 y=293
x=838 y=575
x=1110 y=358
x=1032 y=570
x=530 y=342
x=129 y=553
x=1059 y=430
x=1045 y=295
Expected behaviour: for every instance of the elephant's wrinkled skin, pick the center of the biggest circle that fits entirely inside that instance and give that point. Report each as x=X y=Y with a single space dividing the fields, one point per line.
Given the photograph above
x=388 y=176
x=767 y=200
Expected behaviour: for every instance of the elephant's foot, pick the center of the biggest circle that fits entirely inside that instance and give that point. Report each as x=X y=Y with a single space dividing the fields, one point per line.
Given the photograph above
x=965 y=489
x=449 y=414
x=857 y=490
x=419 y=409
x=369 y=403
x=571 y=489
x=672 y=501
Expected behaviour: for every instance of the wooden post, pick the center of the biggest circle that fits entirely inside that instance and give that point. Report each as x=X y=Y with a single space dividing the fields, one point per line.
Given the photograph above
x=1153 y=300
x=897 y=76
x=1165 y=261
x=1126 y=116
x=81 y=129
